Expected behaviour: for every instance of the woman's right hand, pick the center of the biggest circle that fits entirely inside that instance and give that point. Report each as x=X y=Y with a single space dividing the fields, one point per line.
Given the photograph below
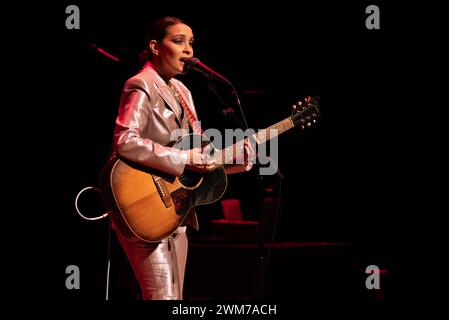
x=200 y=161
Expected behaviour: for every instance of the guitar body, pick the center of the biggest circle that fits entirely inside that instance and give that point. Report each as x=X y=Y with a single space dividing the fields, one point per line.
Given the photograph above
x=151 y=205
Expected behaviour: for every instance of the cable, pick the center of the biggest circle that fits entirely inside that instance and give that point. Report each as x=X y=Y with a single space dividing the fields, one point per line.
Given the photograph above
x=109 y=259
x=83 y=216
x=109 y=232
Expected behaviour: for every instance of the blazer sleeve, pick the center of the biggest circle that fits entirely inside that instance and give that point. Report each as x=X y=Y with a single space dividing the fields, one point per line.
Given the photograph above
x=134 y=113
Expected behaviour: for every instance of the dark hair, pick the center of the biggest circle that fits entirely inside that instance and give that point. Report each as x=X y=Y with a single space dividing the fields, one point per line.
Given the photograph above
x=157 y=31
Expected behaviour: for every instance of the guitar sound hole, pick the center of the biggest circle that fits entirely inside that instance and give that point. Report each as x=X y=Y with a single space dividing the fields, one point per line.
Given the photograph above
x=190 y=179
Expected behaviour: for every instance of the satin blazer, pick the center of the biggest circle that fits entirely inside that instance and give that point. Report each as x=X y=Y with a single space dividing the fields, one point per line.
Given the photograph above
x=149 y=119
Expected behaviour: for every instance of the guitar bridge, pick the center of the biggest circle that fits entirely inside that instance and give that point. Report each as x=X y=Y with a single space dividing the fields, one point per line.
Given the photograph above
x=163 y=192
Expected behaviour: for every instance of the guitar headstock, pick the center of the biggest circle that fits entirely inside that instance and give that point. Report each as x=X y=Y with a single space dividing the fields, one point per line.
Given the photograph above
x=305 y=113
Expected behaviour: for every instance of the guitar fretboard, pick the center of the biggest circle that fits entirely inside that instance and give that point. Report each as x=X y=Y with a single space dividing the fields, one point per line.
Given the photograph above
x=227 y=155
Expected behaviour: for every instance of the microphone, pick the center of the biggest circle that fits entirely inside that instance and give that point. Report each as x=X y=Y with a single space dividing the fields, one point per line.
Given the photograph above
x=103 y=52
x=195 y=64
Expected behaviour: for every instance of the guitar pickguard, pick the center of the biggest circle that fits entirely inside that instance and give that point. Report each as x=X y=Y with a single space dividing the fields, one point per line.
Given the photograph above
x=181 y=201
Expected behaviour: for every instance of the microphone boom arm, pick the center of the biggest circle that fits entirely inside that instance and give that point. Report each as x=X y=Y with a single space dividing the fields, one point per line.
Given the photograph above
x=195 y=64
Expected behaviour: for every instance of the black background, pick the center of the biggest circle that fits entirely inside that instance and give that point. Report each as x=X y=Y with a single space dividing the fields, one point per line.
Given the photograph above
x=369 y=173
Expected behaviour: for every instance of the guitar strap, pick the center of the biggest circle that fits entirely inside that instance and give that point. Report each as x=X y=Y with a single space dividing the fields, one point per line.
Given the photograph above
x=192 y=120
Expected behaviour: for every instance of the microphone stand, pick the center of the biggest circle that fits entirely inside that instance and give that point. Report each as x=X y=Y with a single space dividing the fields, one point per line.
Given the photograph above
x=260 y=290
x=227 y=111
x=260 y=237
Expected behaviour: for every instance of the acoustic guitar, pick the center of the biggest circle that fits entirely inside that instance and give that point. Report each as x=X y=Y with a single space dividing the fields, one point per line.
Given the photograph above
x=152 y=205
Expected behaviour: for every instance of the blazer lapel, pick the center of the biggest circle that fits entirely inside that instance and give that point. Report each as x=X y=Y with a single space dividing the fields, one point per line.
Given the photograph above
x=163 y=90
x=170 y=101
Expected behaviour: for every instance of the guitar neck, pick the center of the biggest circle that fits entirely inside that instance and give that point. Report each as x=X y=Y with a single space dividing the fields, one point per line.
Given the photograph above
x=273 y=131
x=228 y=154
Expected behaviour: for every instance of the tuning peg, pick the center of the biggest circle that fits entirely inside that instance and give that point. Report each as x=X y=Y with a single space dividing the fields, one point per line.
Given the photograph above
x=294 y=107
x=309 y=124
x=314 y=121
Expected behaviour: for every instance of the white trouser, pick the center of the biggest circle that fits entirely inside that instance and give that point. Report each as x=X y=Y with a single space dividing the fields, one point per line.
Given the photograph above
x=159 y=267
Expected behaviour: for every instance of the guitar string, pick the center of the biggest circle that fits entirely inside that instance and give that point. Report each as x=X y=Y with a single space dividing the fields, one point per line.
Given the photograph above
x=261 y=137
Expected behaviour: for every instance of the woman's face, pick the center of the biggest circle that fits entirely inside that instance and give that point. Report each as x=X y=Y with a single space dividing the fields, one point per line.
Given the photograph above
x=176 y=45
